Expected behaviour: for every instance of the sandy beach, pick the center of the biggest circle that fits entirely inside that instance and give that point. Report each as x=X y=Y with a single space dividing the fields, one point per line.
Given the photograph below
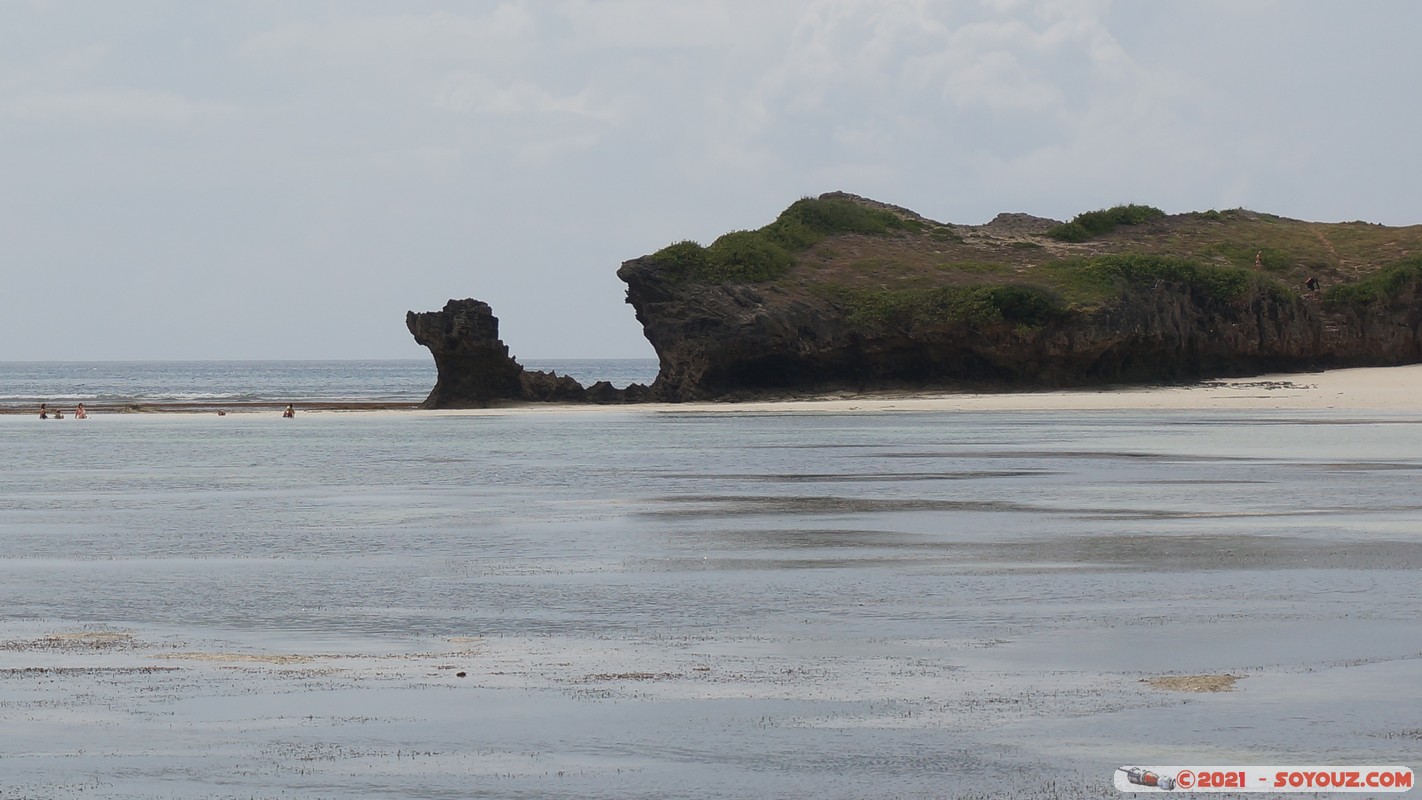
x=1385 y=389
x=1396 y=389
x=1370 y=389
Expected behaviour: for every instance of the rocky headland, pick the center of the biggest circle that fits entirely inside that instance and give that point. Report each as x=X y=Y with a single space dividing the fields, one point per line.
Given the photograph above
x=845 y=293
x=841 y=292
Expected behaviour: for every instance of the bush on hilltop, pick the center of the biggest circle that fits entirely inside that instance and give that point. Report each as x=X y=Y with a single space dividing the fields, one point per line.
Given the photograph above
x=1095 y=223
x=769 y=252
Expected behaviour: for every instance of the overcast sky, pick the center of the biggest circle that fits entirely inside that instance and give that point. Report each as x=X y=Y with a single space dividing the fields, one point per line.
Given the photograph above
x=277 y=179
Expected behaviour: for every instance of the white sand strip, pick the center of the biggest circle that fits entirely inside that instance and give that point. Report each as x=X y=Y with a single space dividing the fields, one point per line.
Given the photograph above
x=1392 y=389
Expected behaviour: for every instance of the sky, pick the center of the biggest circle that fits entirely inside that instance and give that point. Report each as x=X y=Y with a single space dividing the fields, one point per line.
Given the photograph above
x=266 y=179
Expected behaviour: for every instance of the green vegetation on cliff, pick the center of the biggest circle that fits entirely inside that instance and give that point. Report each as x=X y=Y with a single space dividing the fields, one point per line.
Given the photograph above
x=845 y=292
x=1388 y=286
x=1092 y=280
x=769 y=252
x=975 y=306
x=1055 y=290
x=879 y=262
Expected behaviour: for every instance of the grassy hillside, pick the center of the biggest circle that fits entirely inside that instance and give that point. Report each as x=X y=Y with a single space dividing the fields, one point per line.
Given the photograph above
x=881 y=261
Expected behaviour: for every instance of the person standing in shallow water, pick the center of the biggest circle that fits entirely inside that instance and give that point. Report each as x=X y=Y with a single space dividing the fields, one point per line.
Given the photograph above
x=80 y=413
x=289 y=412
x=44 y=410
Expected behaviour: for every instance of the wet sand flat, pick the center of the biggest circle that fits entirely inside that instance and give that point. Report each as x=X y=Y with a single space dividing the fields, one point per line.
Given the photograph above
x=919 y=604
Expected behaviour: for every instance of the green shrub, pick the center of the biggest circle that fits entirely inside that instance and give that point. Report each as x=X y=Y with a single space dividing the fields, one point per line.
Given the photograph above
x=1069 y=232
x=769 y=252
x=739 y=257
x=1095 y=223
x=831 y=215
x=1111 y=274
x=1387 y=286
x=747 y=257
x=683 y=259
x=1030 y=306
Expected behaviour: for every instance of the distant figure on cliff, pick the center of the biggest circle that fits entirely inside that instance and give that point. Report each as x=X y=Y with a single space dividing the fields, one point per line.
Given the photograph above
x=80 y=413
x=44 y=411
x=289 y=412
x=1312 y=284
x=1259 y=260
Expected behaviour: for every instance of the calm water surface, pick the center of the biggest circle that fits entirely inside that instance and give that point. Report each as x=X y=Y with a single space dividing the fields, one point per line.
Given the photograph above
x=26 y=384
x=675 y=604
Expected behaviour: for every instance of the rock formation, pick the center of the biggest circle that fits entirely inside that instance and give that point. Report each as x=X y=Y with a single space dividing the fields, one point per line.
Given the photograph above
x=845 y=293
x=475 y=369
x=732 y=341
x=474 y=366
x=811 y=329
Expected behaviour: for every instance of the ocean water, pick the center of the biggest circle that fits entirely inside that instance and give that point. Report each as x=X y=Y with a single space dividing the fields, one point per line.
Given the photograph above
x=24 y=384
x=626 y=603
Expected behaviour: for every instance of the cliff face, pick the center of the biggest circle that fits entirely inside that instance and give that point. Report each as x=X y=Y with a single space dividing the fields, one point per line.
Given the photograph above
x=803 y=331
x=723 y=341
x=714 y=340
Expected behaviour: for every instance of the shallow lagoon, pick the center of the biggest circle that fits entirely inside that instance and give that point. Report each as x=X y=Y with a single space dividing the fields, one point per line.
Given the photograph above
x=651 y=604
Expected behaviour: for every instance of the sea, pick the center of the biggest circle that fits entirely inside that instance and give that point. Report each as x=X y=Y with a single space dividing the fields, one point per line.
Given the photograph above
x=25 y=384
x=646 y=602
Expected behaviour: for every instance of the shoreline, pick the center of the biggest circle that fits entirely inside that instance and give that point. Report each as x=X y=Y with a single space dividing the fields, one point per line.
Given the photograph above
x=210 y=407
x=1395 y=389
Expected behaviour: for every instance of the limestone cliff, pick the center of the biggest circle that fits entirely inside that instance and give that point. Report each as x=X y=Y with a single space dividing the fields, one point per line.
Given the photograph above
x=844 y=292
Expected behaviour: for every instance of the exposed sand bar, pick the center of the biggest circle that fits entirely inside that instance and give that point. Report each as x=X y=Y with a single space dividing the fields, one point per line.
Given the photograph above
x=1374 y=388
x=1392 y=389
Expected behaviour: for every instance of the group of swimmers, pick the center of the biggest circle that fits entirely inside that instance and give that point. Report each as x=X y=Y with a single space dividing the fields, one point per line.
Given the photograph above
x=79 y=412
